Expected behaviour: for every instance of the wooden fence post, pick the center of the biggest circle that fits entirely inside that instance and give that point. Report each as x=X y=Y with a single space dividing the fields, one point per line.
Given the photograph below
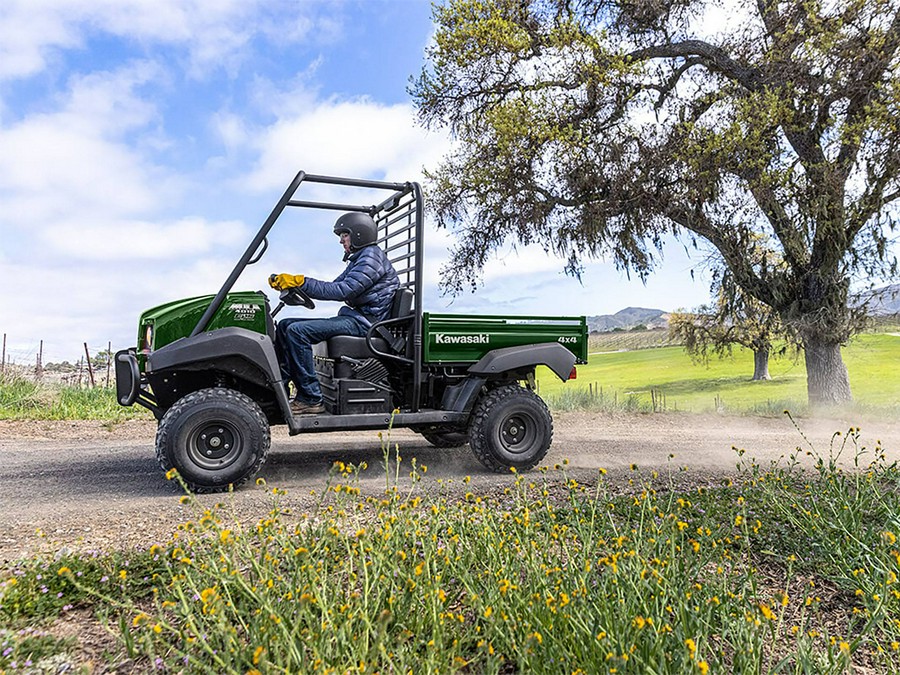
x=87 y=358
x=3 y=362
x=108 y=362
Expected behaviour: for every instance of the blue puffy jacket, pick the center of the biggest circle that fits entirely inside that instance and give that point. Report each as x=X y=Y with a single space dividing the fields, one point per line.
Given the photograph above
x=367 y=285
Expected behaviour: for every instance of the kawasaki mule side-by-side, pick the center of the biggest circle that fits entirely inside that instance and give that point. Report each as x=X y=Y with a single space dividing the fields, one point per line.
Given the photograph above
x=207 y=369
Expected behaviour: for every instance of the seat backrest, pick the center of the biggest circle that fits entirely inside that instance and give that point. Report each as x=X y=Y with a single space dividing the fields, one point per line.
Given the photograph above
x=402 y=303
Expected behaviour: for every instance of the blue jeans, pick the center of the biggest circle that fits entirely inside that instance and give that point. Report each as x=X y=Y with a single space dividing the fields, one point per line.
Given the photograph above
x=294 y=339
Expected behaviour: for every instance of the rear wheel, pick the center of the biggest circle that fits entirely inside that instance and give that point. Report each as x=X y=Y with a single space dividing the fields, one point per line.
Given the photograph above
x=214 y=438
x=511 y=427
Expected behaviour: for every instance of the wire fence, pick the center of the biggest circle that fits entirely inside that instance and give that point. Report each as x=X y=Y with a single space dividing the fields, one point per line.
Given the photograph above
x=93 y=368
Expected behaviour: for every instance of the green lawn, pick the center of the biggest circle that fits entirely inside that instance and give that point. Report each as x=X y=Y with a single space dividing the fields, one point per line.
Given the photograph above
x=873 y=361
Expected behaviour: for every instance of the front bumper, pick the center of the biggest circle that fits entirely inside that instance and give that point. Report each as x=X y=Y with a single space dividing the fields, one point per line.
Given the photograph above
x=131 y=385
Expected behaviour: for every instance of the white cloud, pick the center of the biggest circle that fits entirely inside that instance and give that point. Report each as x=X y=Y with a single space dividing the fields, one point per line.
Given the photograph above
x=359 y=138
x=66 y=305
x=76 y=162
x=143 y=240
x=214 y=34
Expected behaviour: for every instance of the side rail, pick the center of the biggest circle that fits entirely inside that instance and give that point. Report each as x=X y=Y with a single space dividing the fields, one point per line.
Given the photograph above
x=398 y=343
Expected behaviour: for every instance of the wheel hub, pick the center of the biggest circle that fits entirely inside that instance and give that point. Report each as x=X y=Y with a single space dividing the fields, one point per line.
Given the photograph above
x=513 y=431
x=214 y=446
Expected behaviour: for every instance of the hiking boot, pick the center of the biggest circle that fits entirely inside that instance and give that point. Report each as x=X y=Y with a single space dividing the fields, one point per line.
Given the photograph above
x=301 y=408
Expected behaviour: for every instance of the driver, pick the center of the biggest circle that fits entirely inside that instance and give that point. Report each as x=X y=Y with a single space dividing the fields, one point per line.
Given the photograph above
x=367 y=286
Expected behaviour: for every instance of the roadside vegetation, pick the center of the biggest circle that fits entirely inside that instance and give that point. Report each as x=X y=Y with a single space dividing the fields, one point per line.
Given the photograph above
x=24 y=397
x=778 y=569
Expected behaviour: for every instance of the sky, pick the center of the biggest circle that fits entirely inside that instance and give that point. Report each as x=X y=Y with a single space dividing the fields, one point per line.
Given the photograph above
x=143 y=142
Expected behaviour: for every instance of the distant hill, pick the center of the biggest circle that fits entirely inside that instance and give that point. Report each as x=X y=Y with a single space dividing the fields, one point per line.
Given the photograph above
x=628 y=318
x=884 y=301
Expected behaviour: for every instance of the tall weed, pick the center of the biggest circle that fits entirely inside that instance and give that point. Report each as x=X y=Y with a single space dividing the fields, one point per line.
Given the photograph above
x=26 y=398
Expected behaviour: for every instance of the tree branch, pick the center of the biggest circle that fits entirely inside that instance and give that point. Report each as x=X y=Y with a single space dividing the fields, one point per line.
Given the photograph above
x=714 y=58
x=782 y=224
x=670 y=84
x=865 y=81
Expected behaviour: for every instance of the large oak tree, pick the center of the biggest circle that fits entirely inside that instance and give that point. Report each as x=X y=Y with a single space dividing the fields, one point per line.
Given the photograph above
x=597 y=127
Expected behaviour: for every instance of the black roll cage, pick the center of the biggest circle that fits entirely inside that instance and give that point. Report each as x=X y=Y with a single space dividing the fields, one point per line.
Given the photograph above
x=400 y=222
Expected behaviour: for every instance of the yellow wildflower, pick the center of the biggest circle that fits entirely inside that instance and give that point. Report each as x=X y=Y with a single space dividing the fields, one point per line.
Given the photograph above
x=692 y=647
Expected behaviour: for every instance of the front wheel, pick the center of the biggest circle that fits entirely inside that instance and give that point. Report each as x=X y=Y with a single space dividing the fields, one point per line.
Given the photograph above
x=511 y=427
x=214 y=438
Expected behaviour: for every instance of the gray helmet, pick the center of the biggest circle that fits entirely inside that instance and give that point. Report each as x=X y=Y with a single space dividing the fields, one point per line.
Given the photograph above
x=361 y=228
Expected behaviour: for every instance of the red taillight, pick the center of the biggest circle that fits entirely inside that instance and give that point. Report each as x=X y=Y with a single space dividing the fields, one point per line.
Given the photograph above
x=574 y=374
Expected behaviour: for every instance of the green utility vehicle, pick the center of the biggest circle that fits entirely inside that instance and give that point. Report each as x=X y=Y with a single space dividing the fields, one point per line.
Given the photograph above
x=207 y=369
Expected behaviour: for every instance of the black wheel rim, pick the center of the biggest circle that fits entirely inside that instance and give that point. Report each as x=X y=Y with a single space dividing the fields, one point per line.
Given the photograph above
x=215 y=445
x=518 y=433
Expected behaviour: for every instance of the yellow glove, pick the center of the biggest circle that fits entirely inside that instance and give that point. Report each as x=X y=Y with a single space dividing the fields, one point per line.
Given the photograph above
x=281 y=281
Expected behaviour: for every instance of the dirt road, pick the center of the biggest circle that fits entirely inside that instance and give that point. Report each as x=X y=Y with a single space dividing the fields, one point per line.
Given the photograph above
x=86 y=486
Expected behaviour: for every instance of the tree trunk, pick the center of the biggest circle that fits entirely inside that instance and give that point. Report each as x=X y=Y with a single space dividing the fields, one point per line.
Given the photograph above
x=761 y=364
x=827 y=382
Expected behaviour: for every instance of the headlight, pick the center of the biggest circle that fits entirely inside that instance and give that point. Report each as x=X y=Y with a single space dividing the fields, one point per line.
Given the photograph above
x=147 y=343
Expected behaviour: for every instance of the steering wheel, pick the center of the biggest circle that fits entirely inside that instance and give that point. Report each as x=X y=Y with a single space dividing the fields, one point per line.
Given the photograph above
x=296 y=297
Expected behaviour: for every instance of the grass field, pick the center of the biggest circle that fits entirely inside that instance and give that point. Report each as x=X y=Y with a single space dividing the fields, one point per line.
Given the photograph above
x=633 y=379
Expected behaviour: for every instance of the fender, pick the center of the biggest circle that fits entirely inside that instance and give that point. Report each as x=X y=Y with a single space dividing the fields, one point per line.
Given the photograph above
x=246 y=354
x=251 y=346
x=551 y=354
